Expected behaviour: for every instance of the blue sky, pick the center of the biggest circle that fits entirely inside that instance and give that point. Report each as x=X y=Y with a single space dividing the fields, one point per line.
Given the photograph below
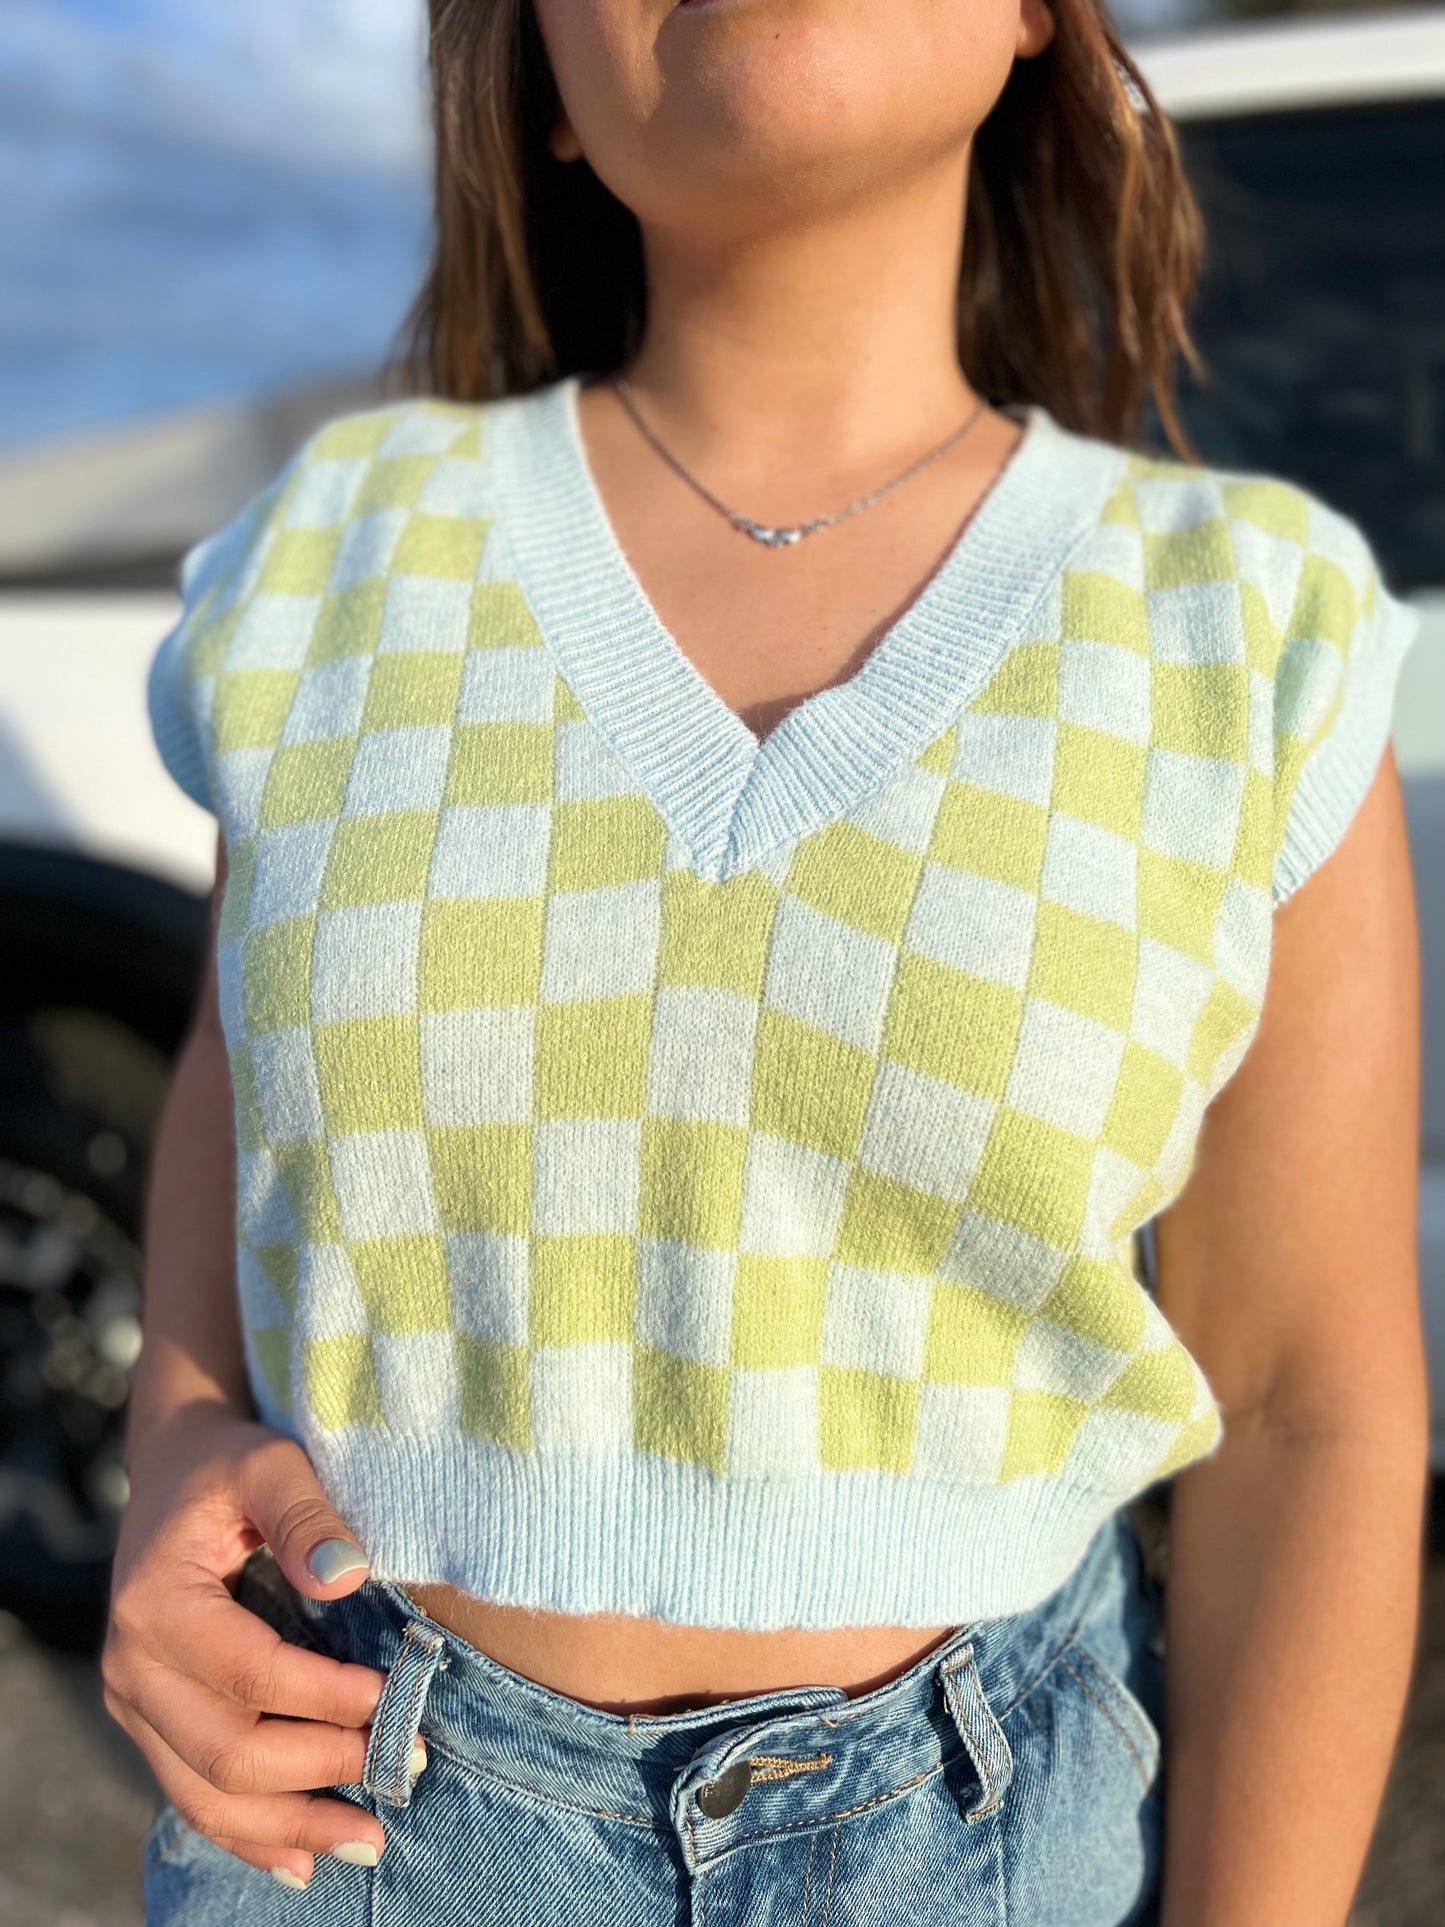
x=201 y=201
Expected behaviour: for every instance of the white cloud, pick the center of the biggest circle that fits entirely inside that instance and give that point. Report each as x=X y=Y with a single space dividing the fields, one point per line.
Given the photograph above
x=325 y=81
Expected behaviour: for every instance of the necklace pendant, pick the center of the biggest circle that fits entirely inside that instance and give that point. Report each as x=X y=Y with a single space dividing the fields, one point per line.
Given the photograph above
x=774 y=538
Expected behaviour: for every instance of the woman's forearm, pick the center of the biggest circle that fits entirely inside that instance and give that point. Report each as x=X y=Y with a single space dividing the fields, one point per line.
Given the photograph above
x=1292 y=1615
x=192 y=1352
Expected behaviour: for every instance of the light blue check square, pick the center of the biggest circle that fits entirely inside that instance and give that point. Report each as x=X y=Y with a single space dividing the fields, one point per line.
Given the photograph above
x=328 y=701
x=875 y=1321
x=476 y=1065
x=230 y=995
x=1169 y=992
x=322 y=492
x=284 y=1069
x=274 y=632
x=1001 y=1260
x=1307 y=683
x=974 y=923
x=581 y=1397
x=490 y=850
x=417 y=1380
x=290 y=866
x=585 y=767
x=262 y=1306
x=601 y=942
x=828 y=974
x=1054 y=1359
x=1196 y=622
x=792 y=1198
x=399 y=769
x=1165 y=503
x=961 y=1432
x=328 y=1301
x=365 y=549
x=1271 y=563
x=364 y=961
x=1106 y=687
x=382 y=1181
x=1242 y=938
x=453 y=487
x=423 y=613
x=421 y=430
x=262 y=1206
x=923 y=1132
x=1051 y=1037
x=684 y=1078
x=685 y=1300
x=903 y=812
x=1191 y=806
x=1090 y=869
x=240 y=784
x=516 y=684
x=1011 y=754
x=772 y=1422
x=585 y=1175
x=1116 y=549
x=488 y=1275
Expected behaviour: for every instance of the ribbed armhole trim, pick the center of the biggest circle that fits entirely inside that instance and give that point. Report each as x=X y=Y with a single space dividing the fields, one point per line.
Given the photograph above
x=1336 y=775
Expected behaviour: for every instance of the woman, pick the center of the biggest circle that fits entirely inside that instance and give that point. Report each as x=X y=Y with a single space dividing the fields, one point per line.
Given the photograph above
x=754 y=827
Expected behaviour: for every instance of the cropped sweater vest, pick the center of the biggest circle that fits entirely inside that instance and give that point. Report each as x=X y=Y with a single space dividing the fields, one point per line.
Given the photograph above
x=690 y=1177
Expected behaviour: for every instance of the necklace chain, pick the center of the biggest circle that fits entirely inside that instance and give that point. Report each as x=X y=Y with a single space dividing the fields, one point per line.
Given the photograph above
x=777 y=538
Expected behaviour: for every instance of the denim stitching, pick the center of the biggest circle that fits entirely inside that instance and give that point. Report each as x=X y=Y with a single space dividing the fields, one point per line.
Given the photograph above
x=992 y=1790
x=838 y=1813
x=1136 y=1716
x=828 y=1896
x=807 y=1877
x=1053 y=1658
x=1109 y=1714
x=419 y=1685
x=777 y=1766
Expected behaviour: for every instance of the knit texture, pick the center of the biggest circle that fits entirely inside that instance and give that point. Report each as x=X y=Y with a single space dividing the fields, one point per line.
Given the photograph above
x=696 y=1178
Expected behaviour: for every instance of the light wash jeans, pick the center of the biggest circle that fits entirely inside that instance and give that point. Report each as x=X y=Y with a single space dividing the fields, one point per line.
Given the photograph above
x=1011 y=1778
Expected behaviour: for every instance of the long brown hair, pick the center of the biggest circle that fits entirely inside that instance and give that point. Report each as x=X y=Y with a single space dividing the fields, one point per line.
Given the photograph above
x=1084 y=237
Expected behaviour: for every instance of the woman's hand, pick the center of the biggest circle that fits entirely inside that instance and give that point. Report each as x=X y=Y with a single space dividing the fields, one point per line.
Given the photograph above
x=196 y=1679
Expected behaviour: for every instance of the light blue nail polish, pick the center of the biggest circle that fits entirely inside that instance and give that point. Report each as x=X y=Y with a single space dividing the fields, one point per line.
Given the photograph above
x=334 y=1558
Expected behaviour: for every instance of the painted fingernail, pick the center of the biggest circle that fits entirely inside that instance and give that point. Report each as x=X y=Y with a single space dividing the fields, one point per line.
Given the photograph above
x=334 y=1558
x=360 y=1853
x=417 y=1761
x=289 y=1879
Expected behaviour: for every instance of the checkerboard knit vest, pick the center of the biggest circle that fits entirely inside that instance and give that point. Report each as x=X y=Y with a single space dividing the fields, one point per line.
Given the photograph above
x=698 y=1178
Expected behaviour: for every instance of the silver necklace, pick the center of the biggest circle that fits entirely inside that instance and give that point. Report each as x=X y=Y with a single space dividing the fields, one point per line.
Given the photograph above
x=760 y=532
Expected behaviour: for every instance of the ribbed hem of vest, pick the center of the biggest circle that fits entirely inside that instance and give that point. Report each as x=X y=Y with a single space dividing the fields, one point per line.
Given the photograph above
x=1334 y=777
x=659 y=1538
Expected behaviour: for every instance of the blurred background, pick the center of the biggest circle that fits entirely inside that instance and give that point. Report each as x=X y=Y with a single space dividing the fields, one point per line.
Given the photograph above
x=211 y=224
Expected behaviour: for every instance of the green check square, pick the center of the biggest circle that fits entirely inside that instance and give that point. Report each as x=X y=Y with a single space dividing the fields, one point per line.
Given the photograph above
x=379 y=859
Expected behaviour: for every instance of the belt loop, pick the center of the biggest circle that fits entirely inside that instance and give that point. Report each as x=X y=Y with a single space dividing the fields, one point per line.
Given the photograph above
x=398 y=1714
x=981 y=1733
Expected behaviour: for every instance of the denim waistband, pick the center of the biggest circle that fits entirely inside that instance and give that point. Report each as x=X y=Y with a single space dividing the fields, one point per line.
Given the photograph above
x=720 y=1773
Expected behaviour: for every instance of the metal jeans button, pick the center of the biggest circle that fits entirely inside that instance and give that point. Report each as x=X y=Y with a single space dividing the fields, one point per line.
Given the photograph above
x=719 y=1797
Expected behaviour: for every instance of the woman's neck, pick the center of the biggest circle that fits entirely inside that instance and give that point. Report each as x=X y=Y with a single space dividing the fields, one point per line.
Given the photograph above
x=823 y=349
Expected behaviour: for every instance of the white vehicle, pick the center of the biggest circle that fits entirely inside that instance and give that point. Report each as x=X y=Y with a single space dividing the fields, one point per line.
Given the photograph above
x=1318 y=150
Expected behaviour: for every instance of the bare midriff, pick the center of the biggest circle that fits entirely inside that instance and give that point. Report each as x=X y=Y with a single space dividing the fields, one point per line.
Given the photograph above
x=621 y=1664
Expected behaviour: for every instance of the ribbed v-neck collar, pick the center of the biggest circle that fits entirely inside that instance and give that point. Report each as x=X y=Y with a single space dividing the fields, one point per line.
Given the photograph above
x=730 y=798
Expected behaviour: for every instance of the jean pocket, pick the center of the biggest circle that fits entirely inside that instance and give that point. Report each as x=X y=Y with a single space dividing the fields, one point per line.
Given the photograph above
x=1118 y=1704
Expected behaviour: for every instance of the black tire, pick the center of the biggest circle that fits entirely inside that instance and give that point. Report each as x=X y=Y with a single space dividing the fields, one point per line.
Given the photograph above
x=97 y=980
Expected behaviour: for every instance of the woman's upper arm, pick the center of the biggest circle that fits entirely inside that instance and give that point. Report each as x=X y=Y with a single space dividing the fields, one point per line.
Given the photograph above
x=1288 y=1263
x=207 y=1016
